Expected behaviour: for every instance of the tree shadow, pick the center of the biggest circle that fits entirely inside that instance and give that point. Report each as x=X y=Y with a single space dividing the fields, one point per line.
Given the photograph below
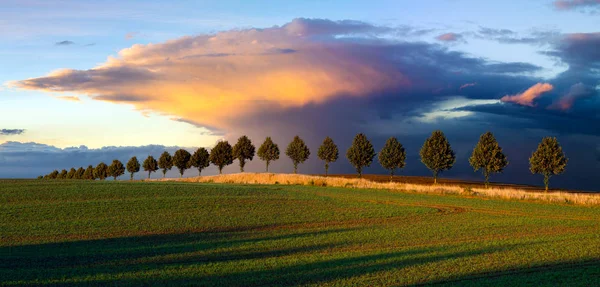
x=103 y=262
x=568 y=273
x=56 y=261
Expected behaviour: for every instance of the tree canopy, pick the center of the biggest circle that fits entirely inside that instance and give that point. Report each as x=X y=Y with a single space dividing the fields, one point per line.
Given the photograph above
x=437 y=154
x=101 y=171
x=79 y=173
x=488 y=156
x=361 y=153
x=63 y=174
x=297 y=151
x=268 y=151
x=165 y=162
x=133 y=166
x=116 y=169
x=221 y=155
x=200 y=160
x=548 y=159
x=89 y=173
x=181 y=160
x=392 y=156
x=150 y=165
x=243 y=151
x=328 y=152
x=71 y=173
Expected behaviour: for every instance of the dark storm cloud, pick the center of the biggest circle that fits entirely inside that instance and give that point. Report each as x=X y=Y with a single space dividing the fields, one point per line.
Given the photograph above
x=10 y=132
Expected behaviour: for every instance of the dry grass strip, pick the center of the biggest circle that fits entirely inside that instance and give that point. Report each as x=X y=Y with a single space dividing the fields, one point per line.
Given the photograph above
x=300 y=179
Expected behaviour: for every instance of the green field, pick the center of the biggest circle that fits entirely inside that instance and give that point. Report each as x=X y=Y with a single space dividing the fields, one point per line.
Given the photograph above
x=135 y=233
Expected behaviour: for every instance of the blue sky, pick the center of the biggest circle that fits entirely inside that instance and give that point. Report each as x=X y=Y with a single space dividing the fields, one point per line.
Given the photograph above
x=524 y=42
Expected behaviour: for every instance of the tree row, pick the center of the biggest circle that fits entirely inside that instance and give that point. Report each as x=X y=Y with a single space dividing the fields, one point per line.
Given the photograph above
x=436 y=154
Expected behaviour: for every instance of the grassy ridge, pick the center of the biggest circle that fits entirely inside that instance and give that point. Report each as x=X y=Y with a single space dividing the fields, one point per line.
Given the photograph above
x=81 y=233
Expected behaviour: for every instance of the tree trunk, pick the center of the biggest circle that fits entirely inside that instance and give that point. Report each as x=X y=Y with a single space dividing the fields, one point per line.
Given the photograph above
x=149 y=174
x=326 y=168
x=267 y=166
x=546 y=181
x=131 y=177
x=242 y=163
x=359 y=170
x=391 y=175
x=435 y=177
x=199 y=172
x=487 y=178
x=220 y=170
x=295 y=168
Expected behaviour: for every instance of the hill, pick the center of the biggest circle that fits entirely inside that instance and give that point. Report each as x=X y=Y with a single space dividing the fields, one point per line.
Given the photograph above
x=175 y=233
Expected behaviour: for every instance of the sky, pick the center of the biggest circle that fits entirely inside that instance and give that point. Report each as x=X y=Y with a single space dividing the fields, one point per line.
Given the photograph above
x=83 y=82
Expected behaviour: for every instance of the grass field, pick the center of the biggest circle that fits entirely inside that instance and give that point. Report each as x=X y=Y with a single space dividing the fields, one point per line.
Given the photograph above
x=140 y=233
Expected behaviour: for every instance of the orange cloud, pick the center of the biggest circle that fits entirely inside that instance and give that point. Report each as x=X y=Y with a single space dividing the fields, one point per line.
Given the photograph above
x=69 y=98
x=213 y=79
x=526 y=98
x=449 y=37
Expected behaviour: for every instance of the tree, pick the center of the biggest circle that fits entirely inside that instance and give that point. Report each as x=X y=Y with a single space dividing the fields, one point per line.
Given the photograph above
x=115 y=169
x=53 y=175
x=548 y=159
x=71 y=174
x=89 y=173
x=150 y=165
x=436 y=154
x=165 y=162
x=221 y=155
x=62 y=174
x=392 y=156
x=133 y=166
x=361 y=153
x=243 y=150
x=101 y=171
x=268 y=151
x=298 y=152
x=328 y=152
x=181 y=160
x=487 y=156
x=79 y=173
x=200 y=160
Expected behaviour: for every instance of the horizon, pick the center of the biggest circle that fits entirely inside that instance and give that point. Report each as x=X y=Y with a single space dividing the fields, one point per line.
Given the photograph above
x=87 y=82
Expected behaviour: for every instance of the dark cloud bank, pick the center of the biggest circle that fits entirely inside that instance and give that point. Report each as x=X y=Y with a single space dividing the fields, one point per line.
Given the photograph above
x=433 y=100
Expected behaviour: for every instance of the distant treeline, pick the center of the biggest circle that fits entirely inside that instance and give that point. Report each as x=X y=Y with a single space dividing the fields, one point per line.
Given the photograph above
x=436 y=154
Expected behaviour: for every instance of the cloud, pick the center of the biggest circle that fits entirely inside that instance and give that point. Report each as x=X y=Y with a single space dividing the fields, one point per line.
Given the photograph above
x=69 y=98
x=575 y=4
x=577 y=91
x=527 y=98
x=10 y=132
x=580 y=51
x=131 y=35
x=464 y=86
x=216 y=80
x=64 y=43
x=449 y=37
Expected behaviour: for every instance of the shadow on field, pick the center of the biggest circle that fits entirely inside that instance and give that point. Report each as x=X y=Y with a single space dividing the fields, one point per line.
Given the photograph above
x=158 y=259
